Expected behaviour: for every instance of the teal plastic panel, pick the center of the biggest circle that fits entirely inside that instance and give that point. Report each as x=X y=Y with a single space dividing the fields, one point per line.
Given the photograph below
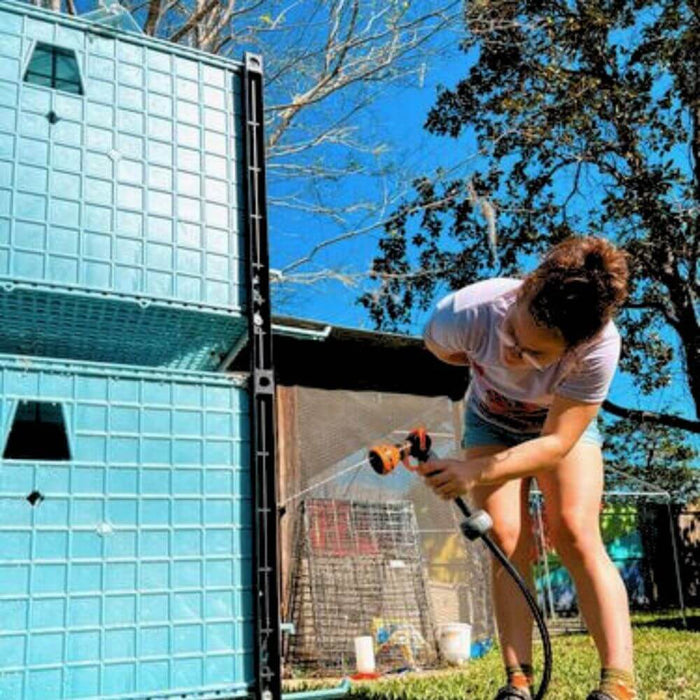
x=134 y=187
x=105 y=328
x=130 y=576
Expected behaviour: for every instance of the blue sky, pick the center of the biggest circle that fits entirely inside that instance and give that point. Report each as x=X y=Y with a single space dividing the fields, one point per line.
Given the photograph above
x=397 y=119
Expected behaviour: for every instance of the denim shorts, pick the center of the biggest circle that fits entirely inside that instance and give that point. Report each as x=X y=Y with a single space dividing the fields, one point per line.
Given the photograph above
x=478 y=432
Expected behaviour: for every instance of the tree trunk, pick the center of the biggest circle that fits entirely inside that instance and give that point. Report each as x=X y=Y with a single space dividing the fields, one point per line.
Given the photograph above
x=684 y=303
x=682 y=299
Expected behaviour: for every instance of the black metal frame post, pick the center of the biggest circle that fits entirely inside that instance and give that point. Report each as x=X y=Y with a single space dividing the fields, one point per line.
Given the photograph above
x=262 y=394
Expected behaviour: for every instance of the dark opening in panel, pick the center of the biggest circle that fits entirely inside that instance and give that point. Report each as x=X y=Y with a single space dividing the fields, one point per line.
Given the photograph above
x=38 y=432
x=54 y=67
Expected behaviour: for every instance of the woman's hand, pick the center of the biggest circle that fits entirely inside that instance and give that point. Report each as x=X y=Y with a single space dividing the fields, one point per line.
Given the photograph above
x=450 y=478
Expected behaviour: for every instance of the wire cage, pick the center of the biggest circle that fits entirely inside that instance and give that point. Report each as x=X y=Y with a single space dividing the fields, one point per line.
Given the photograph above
x=359 y=571
x=364 y=555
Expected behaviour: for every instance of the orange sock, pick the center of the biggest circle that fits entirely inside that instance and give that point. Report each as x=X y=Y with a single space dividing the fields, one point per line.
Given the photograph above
x=618 y=684
x=520 y=676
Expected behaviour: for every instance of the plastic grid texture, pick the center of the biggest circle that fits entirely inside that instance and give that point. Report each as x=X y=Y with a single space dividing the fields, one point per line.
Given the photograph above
x=134 y=187
x=132 y=578
x=104 y=329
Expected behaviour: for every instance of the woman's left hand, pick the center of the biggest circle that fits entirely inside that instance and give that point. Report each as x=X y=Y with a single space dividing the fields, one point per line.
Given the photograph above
x=449 y=478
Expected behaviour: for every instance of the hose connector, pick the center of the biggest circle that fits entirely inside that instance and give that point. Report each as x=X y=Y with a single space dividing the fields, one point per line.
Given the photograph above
x=476 y=525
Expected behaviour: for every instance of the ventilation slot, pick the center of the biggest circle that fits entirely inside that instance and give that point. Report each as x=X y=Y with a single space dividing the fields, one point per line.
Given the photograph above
x=38 y=433
x=54 y=67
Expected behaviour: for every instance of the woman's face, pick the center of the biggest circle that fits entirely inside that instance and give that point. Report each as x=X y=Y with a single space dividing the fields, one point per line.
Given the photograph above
x=524 y=344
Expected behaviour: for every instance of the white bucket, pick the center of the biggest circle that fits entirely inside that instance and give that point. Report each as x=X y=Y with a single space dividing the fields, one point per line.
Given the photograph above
x=455 y=641
x=364 y=654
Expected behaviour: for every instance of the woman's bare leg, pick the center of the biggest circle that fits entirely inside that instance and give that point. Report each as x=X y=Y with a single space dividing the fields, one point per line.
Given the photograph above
x=572 y=494
x=507 y=504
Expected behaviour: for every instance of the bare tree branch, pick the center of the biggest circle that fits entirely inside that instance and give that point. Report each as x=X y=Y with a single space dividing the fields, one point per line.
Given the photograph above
x=665 y=419
x=343 y=66
x=154 y=7
x=193 y=20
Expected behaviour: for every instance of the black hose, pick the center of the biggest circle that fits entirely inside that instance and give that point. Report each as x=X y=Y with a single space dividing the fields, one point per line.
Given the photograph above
x=515 y=575
x=418 y=444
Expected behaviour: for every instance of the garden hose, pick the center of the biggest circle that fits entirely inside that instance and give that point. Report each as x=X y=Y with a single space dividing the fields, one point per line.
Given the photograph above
x=385 y=458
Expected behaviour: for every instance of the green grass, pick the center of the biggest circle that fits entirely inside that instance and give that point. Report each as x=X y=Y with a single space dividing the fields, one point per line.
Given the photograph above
x=667 y=657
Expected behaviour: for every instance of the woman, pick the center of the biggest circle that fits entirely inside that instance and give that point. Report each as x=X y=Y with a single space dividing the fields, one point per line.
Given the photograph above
x=542 y=354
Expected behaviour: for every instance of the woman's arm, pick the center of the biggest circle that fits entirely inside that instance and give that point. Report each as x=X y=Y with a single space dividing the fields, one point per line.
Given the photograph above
x=566 y=421
x=455 y=326
x=452 y=358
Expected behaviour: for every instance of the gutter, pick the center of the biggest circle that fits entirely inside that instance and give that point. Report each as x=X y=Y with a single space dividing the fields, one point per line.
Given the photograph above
x=293 y=332
x=278 y=329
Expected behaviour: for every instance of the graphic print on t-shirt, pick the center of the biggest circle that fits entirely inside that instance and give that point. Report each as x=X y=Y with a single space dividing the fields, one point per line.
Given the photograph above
x=508 y=413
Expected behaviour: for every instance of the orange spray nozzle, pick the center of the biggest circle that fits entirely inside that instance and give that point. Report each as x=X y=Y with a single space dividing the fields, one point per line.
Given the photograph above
x=385 y=458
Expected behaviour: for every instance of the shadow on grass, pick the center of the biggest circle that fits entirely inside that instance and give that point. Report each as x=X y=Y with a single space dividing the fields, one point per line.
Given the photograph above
x=672 y=623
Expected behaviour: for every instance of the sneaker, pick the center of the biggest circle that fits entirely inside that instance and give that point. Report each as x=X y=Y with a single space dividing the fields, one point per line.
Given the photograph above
x=510 y=692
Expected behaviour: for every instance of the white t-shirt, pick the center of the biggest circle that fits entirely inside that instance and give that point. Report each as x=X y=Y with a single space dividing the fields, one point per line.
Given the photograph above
x=517 y=399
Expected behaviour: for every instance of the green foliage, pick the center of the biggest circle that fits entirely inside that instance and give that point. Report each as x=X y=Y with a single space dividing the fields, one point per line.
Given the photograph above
x=652 y=454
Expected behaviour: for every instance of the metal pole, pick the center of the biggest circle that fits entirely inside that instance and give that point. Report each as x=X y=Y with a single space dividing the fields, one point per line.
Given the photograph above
x=267 y=640
x=679 y=582
x=543 y=546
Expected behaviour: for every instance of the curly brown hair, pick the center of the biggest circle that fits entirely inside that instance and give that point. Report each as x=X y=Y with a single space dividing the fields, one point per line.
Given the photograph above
x=577 y=288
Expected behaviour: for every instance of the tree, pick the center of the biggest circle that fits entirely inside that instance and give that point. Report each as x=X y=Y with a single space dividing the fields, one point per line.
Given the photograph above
x=646 y=454
x=587 y=118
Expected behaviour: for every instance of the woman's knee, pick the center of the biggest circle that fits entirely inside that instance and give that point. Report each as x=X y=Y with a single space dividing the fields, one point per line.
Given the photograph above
x=576 y=536
x=507 y=506
x=513 y=537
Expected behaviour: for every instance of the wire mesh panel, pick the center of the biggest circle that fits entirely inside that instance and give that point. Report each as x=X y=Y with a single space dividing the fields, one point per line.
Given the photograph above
x=640 y=534
x=324 y=439
x=79 y=326
x=361 y=564
x=121 y=164
x=125 y=533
